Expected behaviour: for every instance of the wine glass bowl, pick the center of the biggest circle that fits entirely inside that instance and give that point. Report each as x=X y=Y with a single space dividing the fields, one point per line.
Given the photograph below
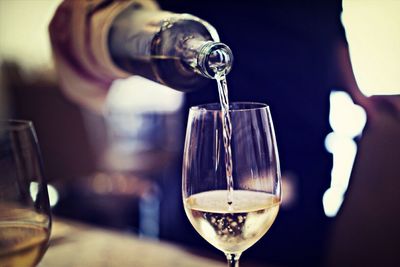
x=231 y=219
x=25 y=219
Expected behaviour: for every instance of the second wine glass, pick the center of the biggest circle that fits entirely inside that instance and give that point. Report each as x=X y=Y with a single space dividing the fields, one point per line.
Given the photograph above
x=232 y=221
x=25 y=217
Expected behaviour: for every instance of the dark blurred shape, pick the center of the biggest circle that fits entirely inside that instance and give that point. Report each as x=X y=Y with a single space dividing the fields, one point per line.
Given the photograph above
x=367 y=231
x=59 y=123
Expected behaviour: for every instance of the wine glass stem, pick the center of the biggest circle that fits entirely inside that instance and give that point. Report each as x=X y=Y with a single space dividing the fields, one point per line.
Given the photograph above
x=233 y=259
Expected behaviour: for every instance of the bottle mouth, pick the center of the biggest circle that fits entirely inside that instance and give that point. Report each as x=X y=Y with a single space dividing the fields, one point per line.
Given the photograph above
x=215 y=59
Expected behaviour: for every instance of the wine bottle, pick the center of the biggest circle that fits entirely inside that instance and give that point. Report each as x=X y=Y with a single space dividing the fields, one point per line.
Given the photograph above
x=178 y=50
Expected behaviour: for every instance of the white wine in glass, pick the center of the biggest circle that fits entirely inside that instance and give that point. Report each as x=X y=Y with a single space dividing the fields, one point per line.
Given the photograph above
x=25 y=218
x=231 y=219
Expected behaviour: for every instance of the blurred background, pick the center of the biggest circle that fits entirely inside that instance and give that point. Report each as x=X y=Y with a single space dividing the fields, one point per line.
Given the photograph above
x=338 y=137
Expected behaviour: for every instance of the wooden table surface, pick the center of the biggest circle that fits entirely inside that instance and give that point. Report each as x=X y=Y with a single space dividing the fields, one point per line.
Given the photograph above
x=77 y=245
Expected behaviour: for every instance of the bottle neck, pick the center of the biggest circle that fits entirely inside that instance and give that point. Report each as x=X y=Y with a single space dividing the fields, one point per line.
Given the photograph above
x=208 y=58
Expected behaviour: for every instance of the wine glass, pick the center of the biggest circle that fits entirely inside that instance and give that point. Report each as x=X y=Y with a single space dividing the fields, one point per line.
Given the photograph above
x=25 y=219
x=233 y=219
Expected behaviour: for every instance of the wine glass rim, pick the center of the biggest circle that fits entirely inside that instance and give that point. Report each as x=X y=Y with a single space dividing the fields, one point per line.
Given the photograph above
x=233 y=107
x=14 y=124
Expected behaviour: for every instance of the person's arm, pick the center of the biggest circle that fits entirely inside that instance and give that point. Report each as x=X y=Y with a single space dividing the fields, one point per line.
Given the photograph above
x=79 y=38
